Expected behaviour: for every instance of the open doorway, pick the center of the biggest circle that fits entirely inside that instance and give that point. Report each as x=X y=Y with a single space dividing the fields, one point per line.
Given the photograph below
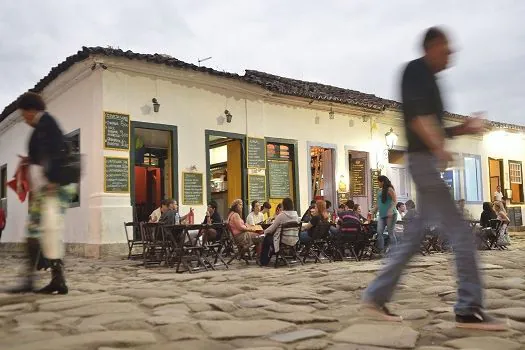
x=225 y=160
x=153 y=174
x=322 y=173
x=496 y=176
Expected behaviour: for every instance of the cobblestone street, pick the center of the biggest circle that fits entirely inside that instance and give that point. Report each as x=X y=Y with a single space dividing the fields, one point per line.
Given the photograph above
x=118 y=304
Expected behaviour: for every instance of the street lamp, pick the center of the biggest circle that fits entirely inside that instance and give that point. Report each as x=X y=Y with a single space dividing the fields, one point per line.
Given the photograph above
x=391 y=139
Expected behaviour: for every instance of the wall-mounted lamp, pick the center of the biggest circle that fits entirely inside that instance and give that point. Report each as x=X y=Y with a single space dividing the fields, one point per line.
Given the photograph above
x=331 y=115
x=228 y=115
x=391 y=139
x=156 y=105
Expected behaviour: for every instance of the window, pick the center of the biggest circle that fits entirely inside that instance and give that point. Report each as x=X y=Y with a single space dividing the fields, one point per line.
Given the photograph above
x=473 y=183
x=74 y=139
x=451 y=178
x=516 y=181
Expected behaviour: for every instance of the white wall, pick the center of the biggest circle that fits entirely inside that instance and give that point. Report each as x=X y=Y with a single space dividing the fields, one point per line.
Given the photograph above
x=73 y=100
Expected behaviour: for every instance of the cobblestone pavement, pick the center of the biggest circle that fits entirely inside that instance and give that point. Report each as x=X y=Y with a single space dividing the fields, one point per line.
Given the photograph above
x=117 y=304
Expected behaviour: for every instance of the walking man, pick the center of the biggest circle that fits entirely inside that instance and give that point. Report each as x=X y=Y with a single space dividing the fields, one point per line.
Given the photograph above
x=423 y=114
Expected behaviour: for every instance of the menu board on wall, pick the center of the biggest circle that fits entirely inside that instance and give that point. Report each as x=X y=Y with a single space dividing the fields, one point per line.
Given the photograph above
x=256 y=153
x=116 y=175
x=358 y=177
x=279 y=179
x=256 y=188
x=375 y=187
x=116 y=131
x=192 y=188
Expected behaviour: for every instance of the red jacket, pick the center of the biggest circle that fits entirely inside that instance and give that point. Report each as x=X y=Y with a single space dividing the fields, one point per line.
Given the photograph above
x=20 y=182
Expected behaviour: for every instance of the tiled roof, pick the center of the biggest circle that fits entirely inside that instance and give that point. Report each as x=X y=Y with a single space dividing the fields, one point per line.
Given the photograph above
x=314 y=91
x=269 y=82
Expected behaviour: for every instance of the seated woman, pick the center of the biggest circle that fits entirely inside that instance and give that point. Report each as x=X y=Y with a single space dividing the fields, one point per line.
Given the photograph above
x=487 y=214
x=278 y=210
x=503 y=239
x=243 y=235
x=256 y=217
x=320 y=215
x=357 y=210
x=273 y=233
x=266 y=211
x=212 y=217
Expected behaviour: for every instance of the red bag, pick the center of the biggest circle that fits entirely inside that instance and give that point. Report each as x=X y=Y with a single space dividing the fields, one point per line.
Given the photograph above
x=20 y=182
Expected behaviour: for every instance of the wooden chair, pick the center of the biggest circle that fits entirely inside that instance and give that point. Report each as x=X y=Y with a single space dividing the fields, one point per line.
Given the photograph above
x=154 y=244
x=135 y=240
x=318 y=247
x=288 y=253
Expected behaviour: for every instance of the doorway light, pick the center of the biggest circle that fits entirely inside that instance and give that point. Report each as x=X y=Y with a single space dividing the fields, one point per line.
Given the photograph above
x=156 y=105
x=391 y=139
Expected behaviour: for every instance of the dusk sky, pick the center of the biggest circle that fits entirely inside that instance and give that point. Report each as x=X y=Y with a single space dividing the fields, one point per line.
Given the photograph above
x=360 y=45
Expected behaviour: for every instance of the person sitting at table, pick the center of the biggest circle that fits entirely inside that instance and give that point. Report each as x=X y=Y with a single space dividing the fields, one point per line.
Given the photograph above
x=503 y=238
x=156 y=214
x=273 y=233
x=266 y=211
x=357 y=210
x=345 y=216
x=244 y=236
x=169 y=215
x=309 y=212
x=401 y=209
x=411 y=210
x=487 y=214
x=212 y=217
x=256 y=217
x=278 y=210
x=321 y=215
x=464 y=211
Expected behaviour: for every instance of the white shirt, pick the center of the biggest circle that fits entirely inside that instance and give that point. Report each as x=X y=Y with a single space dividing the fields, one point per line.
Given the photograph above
x=155 y=216
x=498 y=196
x=253 y=219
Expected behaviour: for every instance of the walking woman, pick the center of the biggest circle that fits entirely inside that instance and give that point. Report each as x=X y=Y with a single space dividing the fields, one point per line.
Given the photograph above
x=49 y=195
x=386 y=205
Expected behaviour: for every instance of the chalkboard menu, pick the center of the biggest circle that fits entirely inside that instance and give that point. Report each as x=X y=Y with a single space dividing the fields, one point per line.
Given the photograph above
x=279 y=179
x=515 y=217
x=116 y=174
x=192 y=188
x=256 y=187
x=256 y=153
x=375 y=187
x=358 y=177
x=116 y=131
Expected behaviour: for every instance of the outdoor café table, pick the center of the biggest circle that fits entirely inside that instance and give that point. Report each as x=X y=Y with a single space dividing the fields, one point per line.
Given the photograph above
x=183 y=250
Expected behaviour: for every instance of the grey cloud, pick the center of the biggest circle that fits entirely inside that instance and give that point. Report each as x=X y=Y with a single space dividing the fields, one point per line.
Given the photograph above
x=359 y=45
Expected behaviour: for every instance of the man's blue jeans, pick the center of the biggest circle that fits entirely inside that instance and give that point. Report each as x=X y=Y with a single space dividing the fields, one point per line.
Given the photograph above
x=434 y=201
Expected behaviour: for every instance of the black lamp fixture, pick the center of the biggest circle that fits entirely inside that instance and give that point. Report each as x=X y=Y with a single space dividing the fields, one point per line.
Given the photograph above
x=228 y=115
x=331 y=114
x=156 y=104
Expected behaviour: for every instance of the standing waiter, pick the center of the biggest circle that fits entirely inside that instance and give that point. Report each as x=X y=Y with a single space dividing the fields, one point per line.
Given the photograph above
x=423 y=114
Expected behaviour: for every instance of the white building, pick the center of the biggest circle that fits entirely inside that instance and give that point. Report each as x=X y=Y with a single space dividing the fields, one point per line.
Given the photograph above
x=206 y=123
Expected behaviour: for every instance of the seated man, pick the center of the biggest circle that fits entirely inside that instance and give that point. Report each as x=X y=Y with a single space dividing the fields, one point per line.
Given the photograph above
x=168 y=216
x=347 y=215
x=307 y=216
x=212 y=217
